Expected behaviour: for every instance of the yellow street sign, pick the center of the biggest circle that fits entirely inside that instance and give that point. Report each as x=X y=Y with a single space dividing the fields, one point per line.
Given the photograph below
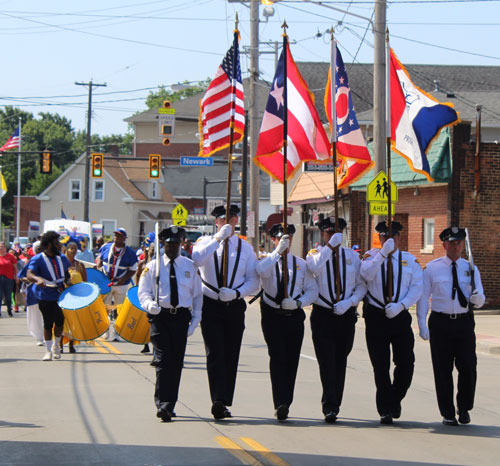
x=378 y=189
x=179 y=215
x=380 y=208
x=166 y=111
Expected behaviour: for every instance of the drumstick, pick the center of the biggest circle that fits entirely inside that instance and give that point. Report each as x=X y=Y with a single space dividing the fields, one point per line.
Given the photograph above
x=158 y=258
x=89 y=264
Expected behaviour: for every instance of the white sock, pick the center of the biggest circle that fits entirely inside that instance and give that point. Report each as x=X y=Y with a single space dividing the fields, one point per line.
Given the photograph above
x=57 y=341
x=48 y=345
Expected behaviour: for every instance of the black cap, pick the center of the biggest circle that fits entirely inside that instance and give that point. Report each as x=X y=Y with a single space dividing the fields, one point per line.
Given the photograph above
x=220 y=211
x=452 y=234
x=328 y=224
x=383 y=230
x=277 y=230
x=173 y=234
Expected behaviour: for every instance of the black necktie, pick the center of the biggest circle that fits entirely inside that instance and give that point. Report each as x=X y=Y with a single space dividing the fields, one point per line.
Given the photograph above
x=281 y=283
x=456 y=288
x=174 y=292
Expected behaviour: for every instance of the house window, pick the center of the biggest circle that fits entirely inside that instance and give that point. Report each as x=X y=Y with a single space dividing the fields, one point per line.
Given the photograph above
x=154 y=189
x=428 y=235
x=98 y=191
x=108 y=227
x=74 y=190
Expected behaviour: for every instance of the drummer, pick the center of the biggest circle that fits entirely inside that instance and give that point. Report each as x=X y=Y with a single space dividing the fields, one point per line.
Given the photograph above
x=49 y=271
x=119 y=264
x=174 y=315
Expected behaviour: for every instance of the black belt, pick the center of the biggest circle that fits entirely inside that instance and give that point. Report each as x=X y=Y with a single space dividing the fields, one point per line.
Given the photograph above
x=444 y=315
x=173 y=310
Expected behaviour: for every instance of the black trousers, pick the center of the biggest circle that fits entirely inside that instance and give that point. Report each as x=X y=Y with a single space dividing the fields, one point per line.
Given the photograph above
x=381 y=334
x=169 y=338
x=52 y=314
x=283 y=335
x=333 y=338
x=222 y=326
x=453 y=342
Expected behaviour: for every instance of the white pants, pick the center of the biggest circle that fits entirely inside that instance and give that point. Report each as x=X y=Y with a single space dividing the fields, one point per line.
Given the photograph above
x=117 y=295
x=35 y=322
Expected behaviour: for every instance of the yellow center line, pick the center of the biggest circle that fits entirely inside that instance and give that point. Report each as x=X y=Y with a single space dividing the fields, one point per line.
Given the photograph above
x=97 y=346
x=110 y=346
x=237 y=451
x=267 y=454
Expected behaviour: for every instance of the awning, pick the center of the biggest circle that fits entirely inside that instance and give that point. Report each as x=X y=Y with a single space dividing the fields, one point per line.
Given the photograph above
x=312 y=187
x=148 y=216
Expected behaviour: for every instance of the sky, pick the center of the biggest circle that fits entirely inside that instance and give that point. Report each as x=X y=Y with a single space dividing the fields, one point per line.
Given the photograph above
x=134 y=46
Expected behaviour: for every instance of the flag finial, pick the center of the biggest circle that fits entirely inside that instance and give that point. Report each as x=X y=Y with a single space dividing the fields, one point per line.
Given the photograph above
x=236 y=21
x=387 y=34
x=284 y=26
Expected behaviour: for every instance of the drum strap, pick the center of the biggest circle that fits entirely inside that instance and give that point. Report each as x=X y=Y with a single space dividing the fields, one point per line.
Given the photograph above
x=52 y=269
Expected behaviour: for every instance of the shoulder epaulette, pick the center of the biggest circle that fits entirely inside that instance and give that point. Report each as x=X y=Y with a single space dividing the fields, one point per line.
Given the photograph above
x=312 y=251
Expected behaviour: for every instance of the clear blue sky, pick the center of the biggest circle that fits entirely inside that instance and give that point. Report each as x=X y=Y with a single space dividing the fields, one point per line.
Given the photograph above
x=135 y=45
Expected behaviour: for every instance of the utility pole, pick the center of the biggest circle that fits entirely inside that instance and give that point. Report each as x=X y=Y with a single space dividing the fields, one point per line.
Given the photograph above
x=86 y=183
x=253 y=115
x=18 y=210
x=244 y=181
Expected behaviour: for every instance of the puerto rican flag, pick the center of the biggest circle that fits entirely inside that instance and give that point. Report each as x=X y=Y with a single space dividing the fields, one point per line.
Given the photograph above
x=306 y=137
x=353 y=156
x=12 y=142
x=416 y=118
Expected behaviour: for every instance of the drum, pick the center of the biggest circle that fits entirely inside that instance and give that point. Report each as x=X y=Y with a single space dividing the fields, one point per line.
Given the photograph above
x=132 y=322
x=84 y=311
x=101 y=280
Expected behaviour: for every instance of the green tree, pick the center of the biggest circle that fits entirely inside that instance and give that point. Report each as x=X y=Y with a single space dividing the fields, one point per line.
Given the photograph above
x=155 y=99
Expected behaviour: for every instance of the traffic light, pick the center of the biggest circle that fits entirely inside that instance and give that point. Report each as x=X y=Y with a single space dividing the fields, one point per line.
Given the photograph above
x=46 y=162
x=97 y=163
x=166 y=141
x=154 y=166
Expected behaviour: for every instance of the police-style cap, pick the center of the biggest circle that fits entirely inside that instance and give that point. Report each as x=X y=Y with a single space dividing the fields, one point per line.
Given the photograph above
x=328 y=224
x=452 y=234
x=277 y=230
x=220 y=211
x=173 y=234
x=382 y=228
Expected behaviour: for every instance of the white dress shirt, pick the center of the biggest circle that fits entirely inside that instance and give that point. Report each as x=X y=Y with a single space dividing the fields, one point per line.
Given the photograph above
x=188 y=285
x=245 y=281
x=318 y=260
x=305 y=289
x=438 y=283
x=411 y=277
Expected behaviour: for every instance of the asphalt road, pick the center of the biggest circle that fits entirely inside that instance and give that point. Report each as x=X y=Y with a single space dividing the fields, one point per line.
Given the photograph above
x=96 y=407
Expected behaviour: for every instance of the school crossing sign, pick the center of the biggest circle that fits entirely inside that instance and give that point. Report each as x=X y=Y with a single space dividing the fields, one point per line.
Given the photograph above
x=179 y=215
x=377 y=193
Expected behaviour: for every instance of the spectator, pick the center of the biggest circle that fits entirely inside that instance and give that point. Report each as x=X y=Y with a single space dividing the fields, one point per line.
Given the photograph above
x=8 y=271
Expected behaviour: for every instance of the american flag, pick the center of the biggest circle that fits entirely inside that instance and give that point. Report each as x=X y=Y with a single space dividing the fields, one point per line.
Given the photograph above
x=222 y=104
x=13 y=141
x=306 y=137
x=352 y=152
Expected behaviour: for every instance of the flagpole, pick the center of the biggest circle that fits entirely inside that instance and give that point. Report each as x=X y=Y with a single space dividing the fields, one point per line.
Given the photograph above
x=333 y=77
x=390 y=283
x=18 y=211
x=230 y=155
x=285 y=160
x=1 y=226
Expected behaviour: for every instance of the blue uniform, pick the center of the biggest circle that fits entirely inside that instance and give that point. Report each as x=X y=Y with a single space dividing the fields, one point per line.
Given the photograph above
x=118 y=266
x=38 y=265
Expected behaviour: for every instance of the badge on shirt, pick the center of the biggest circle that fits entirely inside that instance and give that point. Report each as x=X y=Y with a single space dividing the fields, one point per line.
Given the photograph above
x=144 y=272
x=404 y=262
x=467 y=273
x=297 y=267
x=187 y=274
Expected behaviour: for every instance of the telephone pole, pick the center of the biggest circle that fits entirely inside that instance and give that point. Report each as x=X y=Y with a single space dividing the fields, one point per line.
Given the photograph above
x=86 y=182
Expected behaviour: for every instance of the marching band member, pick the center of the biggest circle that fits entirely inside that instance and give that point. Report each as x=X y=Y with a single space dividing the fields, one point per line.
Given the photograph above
x=283 y=318
x=333 y=318
x=389 y=322
x=49 y=271
x=223 y=320
x=173 y=318
x=448 y=282
x=119 y=264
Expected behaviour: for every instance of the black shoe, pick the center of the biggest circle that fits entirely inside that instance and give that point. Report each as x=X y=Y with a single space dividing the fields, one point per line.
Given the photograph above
x=331 y=417
x=386 y=419
x=10 y=314
x=145 y=349
x=62 y=349
x=282 y=413
x=153 y=363
x=227 y=413
x=450 y=422
x=164 y=415
x=463 y=417
x=72 y=349
x=396 y=412
x=218 y=410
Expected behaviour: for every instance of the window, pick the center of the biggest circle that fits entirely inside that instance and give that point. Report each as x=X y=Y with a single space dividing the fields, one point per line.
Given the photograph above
x=154 y=190
x=74 y=190
x=98 y=191
x=108 y=227
x=428 y=235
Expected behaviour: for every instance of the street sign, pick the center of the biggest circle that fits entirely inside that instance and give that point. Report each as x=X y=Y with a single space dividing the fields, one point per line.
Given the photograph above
x=251 y=224
x=179 y=215
x=378 y=189
x=380 y=208
x=197 y=161
x=166 y=123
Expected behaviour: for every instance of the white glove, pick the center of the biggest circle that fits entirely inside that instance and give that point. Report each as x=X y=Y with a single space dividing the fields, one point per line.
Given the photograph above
x=283 y=245
x=227 y=294
x=423 y=330
x=342 y=307
x=476 y=299
x=388 y=247
x=154 y=308
x=192 y=327
x=224 y=232
x=335 y=240
x=289 y=304
x=393 y=309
